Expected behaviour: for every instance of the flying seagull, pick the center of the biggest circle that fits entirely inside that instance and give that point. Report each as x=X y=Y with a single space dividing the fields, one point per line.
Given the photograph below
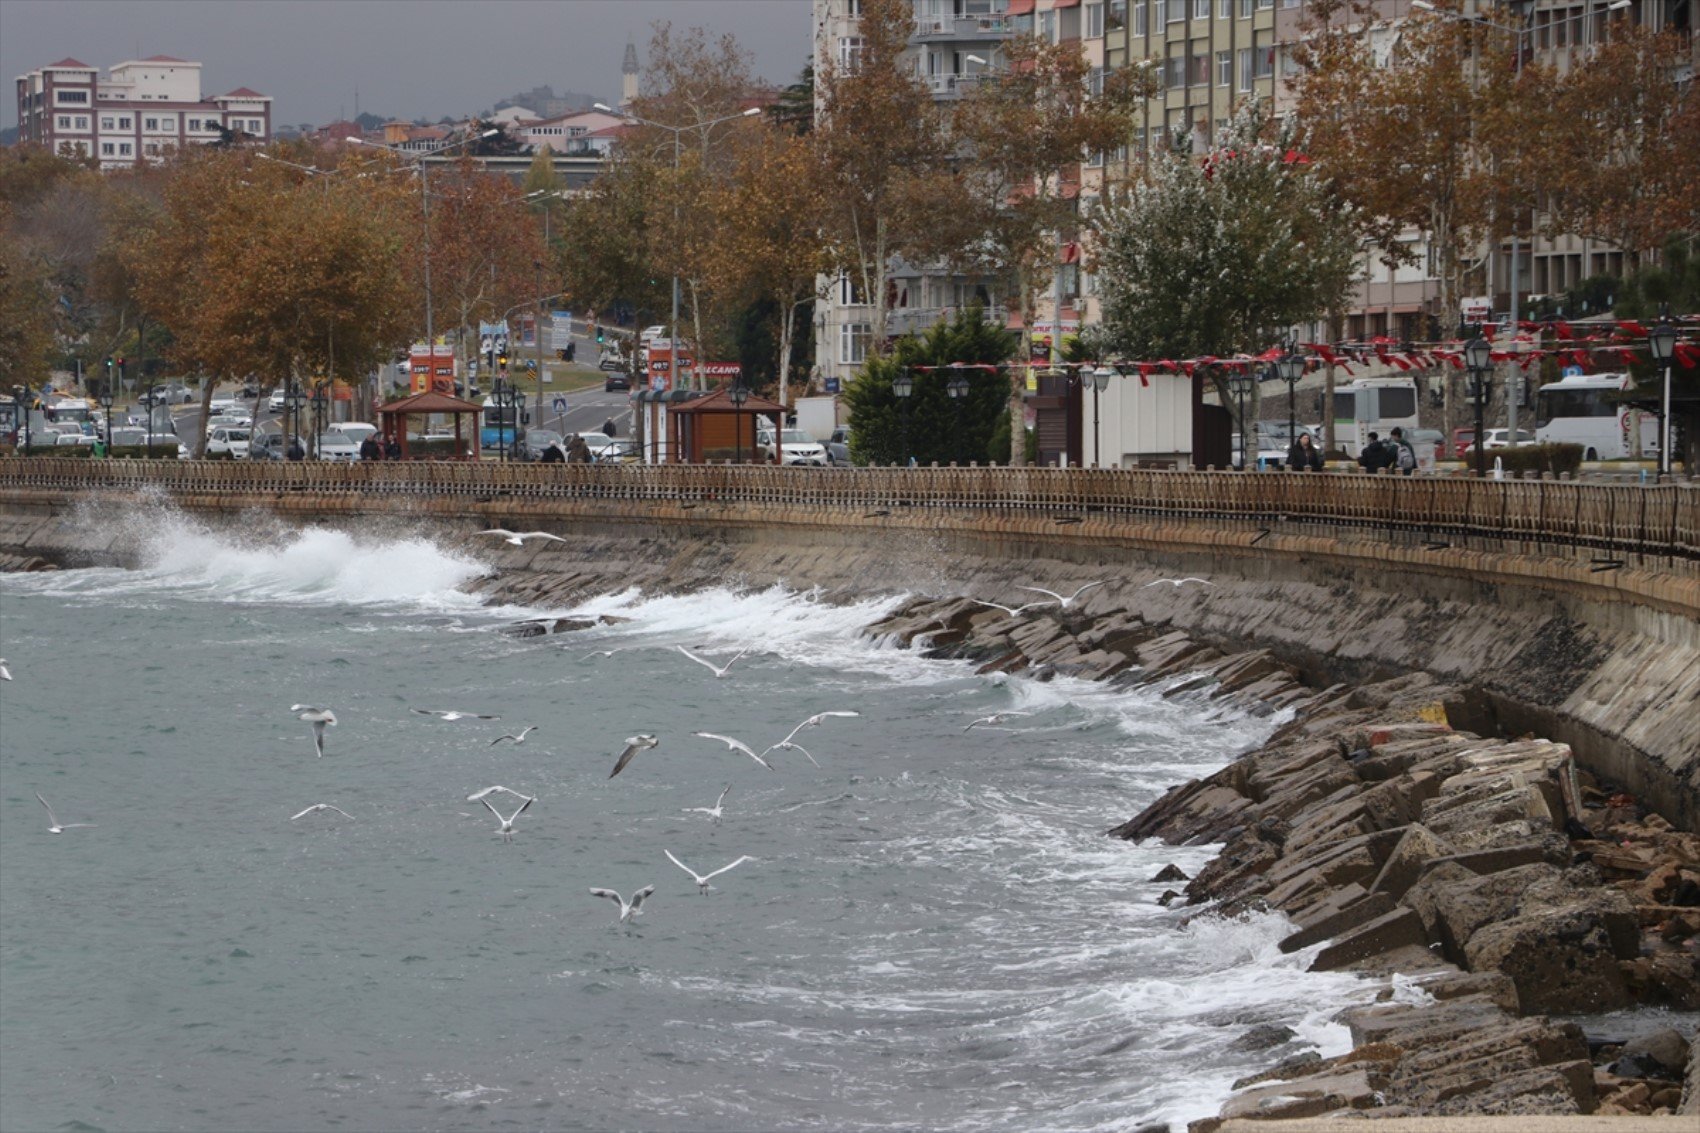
x=712 y=811
x=702 y=879
x=56 y=826
x=451 y=715
x=719 y=670
x=1177 y=582
x=318 y=717
x=519 y=739
x=598 y=653
x=518 y=538
x=634 y=908
x=5 y=673
x=814 y=721
x=634 y=744
x=320 y=806
x=1062 y=603
x=735 y=745
x=1012 y=611
x=995 y=719
x=472 y=798
x=508 y=822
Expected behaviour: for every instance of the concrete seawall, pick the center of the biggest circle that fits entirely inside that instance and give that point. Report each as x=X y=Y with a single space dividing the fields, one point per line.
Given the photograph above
x=1604 y=657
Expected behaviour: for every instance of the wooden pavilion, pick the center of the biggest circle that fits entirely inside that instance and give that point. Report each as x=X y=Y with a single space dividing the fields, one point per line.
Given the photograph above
x=392 y=423
x=721 y=428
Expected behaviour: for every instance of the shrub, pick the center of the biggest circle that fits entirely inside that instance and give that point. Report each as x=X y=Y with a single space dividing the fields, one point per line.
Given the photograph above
x=1527 y=460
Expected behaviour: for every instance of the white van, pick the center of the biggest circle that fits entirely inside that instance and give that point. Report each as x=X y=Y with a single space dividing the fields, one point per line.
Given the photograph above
x=355 y=431
x=1580 y=410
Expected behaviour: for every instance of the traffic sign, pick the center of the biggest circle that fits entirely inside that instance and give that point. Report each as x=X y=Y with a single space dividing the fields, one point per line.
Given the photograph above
x=560 y=405
x=1573 y=371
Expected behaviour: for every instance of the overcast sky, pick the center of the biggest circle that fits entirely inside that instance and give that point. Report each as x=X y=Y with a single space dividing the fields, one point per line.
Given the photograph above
x=405 y=58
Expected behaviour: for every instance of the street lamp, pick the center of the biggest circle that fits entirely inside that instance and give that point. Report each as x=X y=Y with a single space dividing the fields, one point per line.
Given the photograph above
x=738 y=394
x=1239 y=384
x=902 y=386
x=1291 y=367
x=957 y=387
x=1100 y=383
x=1478 y=359
x=294 y=397
x=418 y=160
x=320 y=402
x=108 y=394
x=677 y=131
x=1662 y=340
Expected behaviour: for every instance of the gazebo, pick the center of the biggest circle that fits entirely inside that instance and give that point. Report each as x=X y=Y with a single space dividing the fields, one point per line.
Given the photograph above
x=722 y=427
x=393 y=417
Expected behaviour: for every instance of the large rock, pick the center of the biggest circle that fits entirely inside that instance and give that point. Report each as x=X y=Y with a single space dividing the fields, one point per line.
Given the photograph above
x=1561 y=959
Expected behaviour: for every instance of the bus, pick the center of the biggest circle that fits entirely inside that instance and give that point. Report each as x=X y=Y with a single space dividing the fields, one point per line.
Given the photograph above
x=77 y=411
x=1372 y=405
x=501 y=426
x=1580 y=410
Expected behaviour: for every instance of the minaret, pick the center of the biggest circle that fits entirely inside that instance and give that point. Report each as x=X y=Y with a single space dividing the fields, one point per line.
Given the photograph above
x=629 y=77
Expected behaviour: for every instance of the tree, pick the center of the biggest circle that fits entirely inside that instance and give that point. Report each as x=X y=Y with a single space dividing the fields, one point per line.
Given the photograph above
x=26 y=305
x=1025 y=130
x=1216 y=257
x=934 y=426
x=879 y=133
x=609 y=269
x=769 y=224
x=795 y=107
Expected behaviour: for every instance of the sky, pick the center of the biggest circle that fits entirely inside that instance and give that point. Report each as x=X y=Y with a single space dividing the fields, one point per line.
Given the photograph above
x=405 y=58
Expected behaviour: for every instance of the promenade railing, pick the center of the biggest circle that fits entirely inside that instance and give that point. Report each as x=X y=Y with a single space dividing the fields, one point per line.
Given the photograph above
x=1655 y=519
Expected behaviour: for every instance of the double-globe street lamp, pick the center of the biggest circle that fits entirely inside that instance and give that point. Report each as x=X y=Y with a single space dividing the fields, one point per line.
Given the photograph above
x=902 y=386
x=1478 y=360
x=1100 y=382
x=1291 y=367
x=677 y=132
x=1239 y=384
x=1662 y=341
x=507 y=398
x=108 y=395
x=294 y=397
x=738 y=395
x=957 y=387
x=321 y=403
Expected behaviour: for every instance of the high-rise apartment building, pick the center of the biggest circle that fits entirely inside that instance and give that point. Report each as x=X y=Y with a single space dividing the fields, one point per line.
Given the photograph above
x=143 y=110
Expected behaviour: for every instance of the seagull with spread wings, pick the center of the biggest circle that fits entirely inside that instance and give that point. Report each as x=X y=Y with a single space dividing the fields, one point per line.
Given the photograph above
x=1062 y=603
x=995 y=719
x=1177 y=582
x=718 y=670
x=319 y=718
x=634 y=744
x=451 y=715
x=519 y=739
x=815 y=721
x=508 y=822
x=628 y=909
x=702 y=879
x=712 y=811
x=1012 y=611
x=54 y=825
x=735 y=745
x=318 y=807
x=518 y=538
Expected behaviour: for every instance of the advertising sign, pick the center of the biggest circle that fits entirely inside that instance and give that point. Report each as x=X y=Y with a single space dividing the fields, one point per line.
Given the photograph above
x=431 y=368
x=560 y=329
x=1476 y=308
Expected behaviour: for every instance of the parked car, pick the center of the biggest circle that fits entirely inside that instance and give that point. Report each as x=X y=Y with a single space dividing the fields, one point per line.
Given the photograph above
x=171 y=393
x=838 y=446
x=275 y=403
x=1500 y=438
x=266 y=446
x=796 y=447
x=536 y=440
x=338 y=447
x=64 y=440
x=652 y=335
x=1273 y=440
x=617 y=452
x=1462 y=439
x=356 y=431
x=228 y=439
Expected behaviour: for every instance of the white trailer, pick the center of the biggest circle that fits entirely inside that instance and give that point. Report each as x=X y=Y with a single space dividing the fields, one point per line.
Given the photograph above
x=818 y=417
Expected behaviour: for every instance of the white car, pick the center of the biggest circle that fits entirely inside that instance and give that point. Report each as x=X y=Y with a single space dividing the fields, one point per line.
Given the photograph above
x=276 y=402
x=1497 y=438
x=652 y=335
x=229 y=439
x=67 y=439
x=338 y=447
x=796 y=447
x=356 y=431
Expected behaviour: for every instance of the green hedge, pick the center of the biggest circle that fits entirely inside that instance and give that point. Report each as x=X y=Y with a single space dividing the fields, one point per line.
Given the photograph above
x=1527 y=460
x=85 y=452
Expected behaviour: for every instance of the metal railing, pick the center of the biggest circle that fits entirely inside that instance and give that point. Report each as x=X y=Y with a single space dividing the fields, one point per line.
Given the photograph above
x=1558 y=515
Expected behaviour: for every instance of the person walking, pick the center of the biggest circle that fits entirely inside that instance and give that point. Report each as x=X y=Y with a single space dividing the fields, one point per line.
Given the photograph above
x=1404 y=456
x=578 y=452
x=1375 y=456
x=610 y=429
x=1304 y=456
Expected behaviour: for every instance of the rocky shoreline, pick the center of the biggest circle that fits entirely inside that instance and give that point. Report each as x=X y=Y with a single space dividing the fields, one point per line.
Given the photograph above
x=1498 y=881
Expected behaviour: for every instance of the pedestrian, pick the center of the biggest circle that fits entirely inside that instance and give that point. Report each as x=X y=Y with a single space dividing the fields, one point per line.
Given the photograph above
x=571 y=351
x=392 y=449
x=609 y=429
x=578 y=452
x=370 y=449
x=296 y=452
x=1304 y=456
x=1404 y=456
x=1375 y=455
x=553 y=453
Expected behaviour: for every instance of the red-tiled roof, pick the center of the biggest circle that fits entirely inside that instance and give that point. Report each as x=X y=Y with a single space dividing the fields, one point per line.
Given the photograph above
x=243 y=92
x=68 y=62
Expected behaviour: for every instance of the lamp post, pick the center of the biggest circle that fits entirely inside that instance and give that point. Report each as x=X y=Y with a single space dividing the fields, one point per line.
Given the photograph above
x=320 y=402
x=107 y=397
x=23 y=403
x=1662 y=340
x=418 y=159
x=957 y=387
x=1239 y=384
x=902 y=386
x=1100 y=382
x=499 y=394
x=677 y=132
x=294 y=397
x=738 y=395
x=1291 y=367
x=1478 y=359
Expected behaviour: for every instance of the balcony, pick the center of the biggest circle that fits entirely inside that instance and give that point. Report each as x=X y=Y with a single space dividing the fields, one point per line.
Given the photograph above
x=969 y=29
x=951 y=86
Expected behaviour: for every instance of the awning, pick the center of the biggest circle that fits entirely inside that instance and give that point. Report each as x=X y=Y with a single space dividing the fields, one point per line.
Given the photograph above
x=1019 y=7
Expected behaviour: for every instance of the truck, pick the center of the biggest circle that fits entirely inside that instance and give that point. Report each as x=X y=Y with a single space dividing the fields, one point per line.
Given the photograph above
x=818 y=417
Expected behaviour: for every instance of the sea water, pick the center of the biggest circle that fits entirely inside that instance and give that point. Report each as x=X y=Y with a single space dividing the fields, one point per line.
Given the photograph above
x=932 y=932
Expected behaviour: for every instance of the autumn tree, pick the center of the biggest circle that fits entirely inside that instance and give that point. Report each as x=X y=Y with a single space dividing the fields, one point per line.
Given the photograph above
x=26 y=311
x=880 y=137
x=769 y=222
x=1025 y=130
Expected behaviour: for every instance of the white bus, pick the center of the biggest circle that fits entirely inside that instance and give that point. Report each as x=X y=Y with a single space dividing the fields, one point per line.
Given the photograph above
x=1372 y=405
x=1579 y=411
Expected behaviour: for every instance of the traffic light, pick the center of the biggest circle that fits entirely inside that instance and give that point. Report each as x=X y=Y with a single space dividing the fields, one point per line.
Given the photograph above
x=120 y=367
x=599 y=335
x=109 y=367
x=502 y=360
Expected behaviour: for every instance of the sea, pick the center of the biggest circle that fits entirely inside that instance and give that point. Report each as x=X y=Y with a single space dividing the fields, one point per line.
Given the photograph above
x=931 y=931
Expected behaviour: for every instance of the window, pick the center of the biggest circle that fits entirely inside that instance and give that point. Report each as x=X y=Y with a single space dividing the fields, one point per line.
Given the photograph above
x=82 y=121
x=1225 y=9
x=107 y=122
x=152 y=148
x=1174 y=69
x=849 y=52
x=1116 y=18
x=855 y=8
x=125 y=122
x=1263 y=62
x=1224 y=68
x=1198 y=70
x=1201 y=9
x=1095 y=82
x=1094 y=21
x=76 y=97
x=64 y=122
x=1262 y=4
x=1048 y=25
x=1245 y=9
x=1141 y=17
x=150 y=123
x=1175 y=11
x=124 y=149
x=853 y=339
x=1245 y=68
x=107 y=149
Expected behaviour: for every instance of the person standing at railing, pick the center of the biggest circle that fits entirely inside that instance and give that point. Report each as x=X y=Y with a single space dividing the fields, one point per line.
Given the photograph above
x=1304 y=456
x=1404 y=456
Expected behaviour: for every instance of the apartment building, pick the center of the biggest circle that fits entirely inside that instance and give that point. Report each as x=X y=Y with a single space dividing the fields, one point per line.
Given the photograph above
x=143 y=110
